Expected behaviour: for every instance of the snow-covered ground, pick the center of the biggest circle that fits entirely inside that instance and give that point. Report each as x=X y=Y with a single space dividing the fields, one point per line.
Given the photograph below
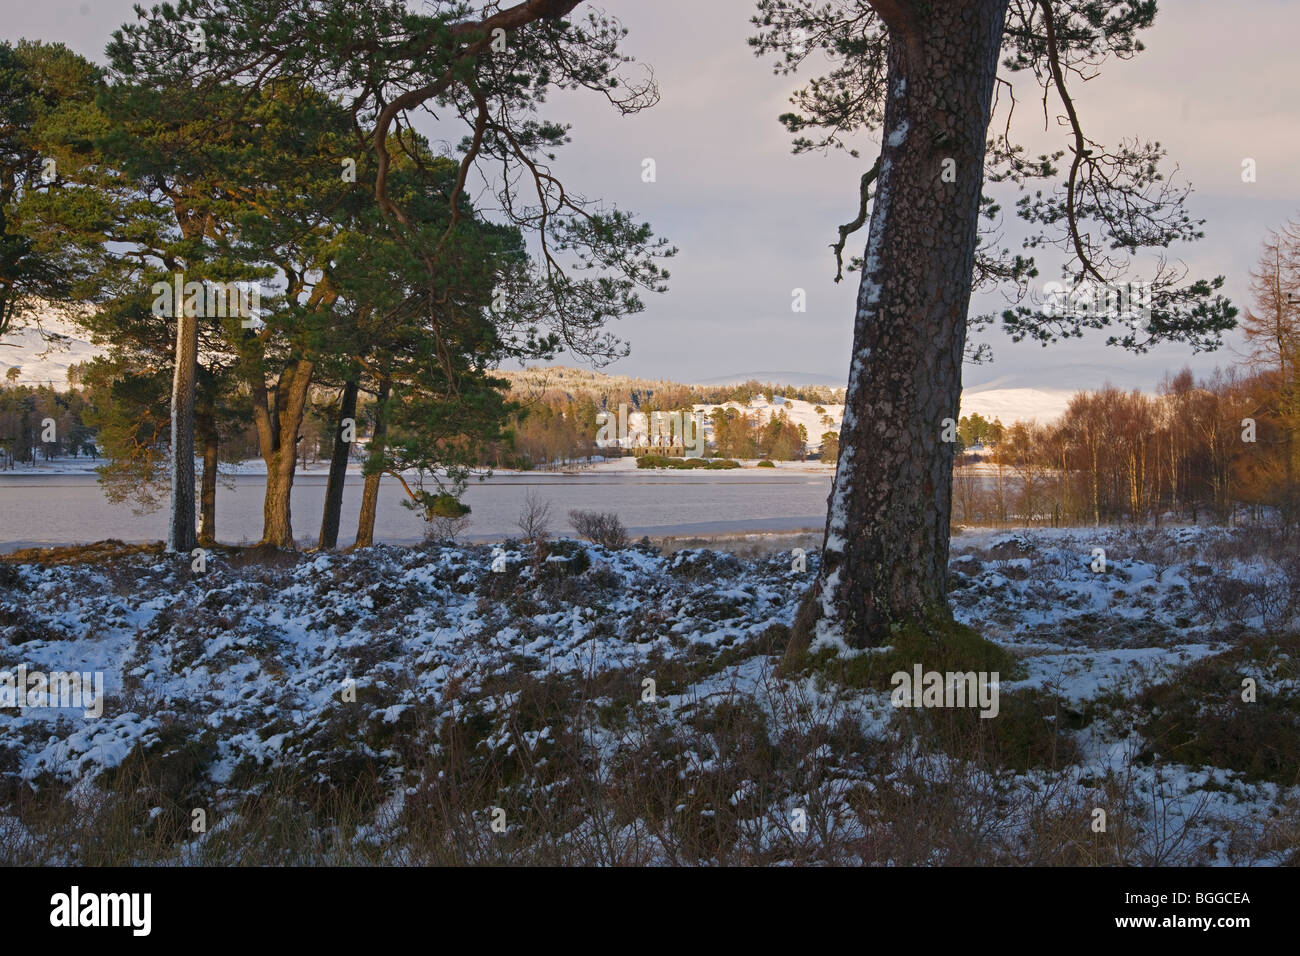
x=248 y=667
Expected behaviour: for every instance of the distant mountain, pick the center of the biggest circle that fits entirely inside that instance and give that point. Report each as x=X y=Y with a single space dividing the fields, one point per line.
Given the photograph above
x=1064 y=377
x=1011 y=396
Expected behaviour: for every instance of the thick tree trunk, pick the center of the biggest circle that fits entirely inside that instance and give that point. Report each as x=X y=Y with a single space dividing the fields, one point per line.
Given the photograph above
x=278 y=421
x=180 y=528
x=370 y=493
x=885 y=559
x=208 y=488
x=329 y=525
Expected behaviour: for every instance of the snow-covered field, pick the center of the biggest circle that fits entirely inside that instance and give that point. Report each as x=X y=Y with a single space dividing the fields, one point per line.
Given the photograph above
x=426 y=692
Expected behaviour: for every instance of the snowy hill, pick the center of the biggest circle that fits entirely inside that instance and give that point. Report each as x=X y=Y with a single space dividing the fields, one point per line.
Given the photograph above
x=797 y=411
x=1016 y=404
x=44 y=359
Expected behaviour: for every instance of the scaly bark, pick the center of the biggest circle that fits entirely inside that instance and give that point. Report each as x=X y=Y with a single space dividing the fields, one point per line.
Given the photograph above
x=885 y=559
x=207 y=428
x=329 y=525
x=278 y=416
x=180 y=527
x=370 y=493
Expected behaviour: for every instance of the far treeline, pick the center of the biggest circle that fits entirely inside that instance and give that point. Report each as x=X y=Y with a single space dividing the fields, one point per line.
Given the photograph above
x=546 y=427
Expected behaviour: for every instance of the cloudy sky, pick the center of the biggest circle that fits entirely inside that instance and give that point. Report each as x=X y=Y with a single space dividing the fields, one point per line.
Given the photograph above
x=1216 y=85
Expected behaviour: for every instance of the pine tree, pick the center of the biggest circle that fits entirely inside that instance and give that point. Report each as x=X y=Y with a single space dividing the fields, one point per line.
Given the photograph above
x=594 y=259
x=36 y=269
x=924 y=75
